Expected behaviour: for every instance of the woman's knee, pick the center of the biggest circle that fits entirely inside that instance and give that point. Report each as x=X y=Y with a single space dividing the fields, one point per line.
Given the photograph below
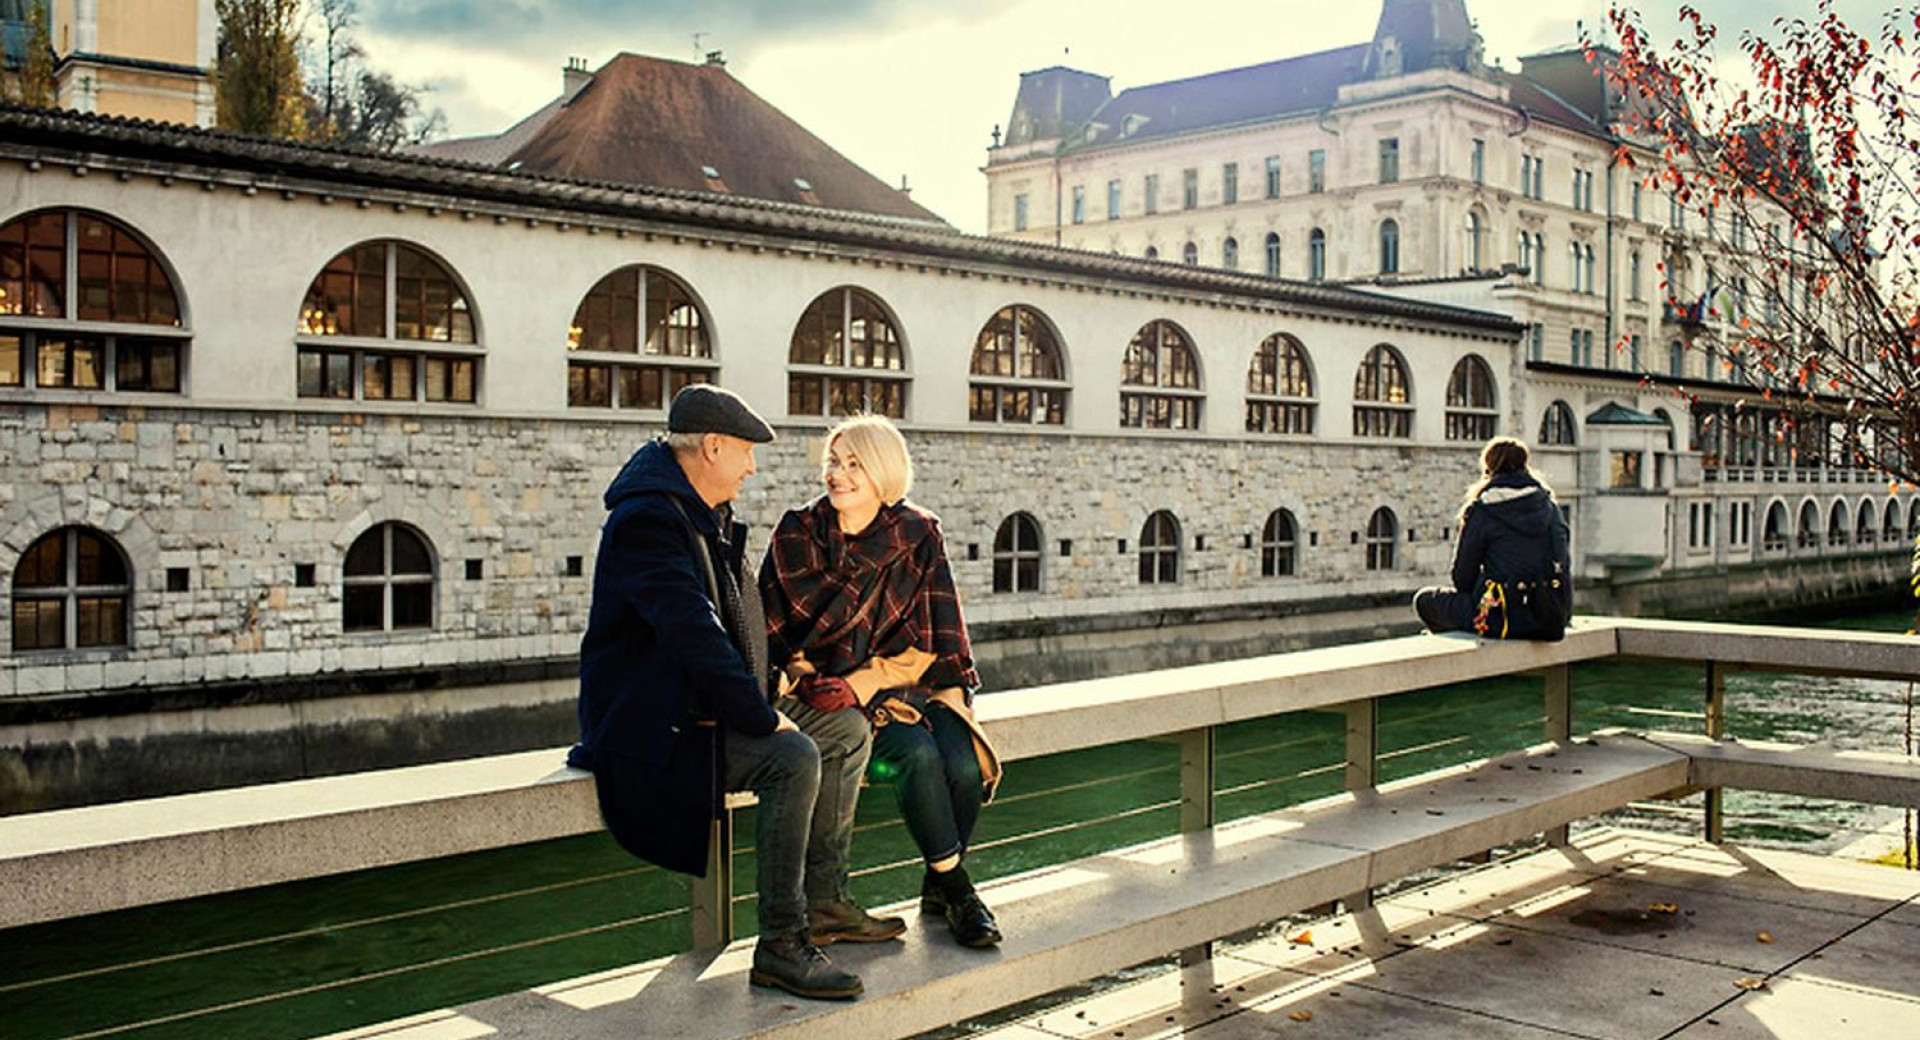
x=909 y=749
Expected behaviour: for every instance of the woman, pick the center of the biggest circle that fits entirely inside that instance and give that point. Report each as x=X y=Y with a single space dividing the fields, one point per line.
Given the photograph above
x=1512 y=578
x=861 y=608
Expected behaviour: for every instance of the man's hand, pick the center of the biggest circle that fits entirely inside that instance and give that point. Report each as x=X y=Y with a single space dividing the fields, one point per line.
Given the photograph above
x=785 y=724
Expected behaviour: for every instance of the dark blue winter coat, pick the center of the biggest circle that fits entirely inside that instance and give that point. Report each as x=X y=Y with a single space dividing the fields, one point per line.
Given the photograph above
x=1514 y=534
x=660 y=673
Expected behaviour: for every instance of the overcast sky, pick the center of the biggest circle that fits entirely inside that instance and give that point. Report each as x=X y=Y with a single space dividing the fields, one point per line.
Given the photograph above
x=914 y=88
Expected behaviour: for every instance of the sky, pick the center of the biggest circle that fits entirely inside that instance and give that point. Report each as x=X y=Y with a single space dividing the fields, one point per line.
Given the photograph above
x=914 y=88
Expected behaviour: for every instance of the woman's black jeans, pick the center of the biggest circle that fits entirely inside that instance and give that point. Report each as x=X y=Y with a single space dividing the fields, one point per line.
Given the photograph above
x=936 y=778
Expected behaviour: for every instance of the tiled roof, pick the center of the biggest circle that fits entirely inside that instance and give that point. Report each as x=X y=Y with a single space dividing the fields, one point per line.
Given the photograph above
x=1543 y=104
x=492 y=149
x=1243 y=95
x=80 y=138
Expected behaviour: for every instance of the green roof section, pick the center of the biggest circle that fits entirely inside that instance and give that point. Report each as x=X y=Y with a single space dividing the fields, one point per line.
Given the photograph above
x=1616 y=414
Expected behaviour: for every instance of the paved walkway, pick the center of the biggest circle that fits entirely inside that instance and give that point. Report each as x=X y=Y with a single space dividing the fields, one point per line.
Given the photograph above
x=1626 y=935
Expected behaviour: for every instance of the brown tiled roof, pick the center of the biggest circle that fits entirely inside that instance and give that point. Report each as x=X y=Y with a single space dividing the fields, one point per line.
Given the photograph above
x=1243 y=95
x=652 y=121
x=493 y=149
x=1543 y=104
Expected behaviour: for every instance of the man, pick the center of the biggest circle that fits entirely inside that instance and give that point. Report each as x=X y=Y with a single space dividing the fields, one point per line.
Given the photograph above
x=673 y=704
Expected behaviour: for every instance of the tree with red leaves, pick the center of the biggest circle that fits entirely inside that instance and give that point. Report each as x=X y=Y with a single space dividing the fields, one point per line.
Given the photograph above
x=1801 y=163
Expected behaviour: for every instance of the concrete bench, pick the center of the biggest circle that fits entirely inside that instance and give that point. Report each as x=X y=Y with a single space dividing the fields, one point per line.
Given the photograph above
x=1870 y=777
x=1096 y=915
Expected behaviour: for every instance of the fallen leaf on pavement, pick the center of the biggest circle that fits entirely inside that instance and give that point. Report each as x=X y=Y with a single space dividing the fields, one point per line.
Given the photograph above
x=1663 y=908
x=1751 y=983
x=1302 y=1016
x=1765 y=937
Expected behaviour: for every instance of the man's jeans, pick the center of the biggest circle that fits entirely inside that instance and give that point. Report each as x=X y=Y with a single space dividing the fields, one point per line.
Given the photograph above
x=807 y=784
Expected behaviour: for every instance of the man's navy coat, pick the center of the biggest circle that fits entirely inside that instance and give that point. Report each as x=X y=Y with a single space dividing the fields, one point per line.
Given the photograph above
x=660 y=674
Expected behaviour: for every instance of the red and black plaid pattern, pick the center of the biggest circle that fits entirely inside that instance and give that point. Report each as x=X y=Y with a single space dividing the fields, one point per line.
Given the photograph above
x=817 y=584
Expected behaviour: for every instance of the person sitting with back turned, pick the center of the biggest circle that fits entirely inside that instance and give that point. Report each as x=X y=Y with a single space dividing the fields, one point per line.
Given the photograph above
x=673 y=693
x=1512 y=575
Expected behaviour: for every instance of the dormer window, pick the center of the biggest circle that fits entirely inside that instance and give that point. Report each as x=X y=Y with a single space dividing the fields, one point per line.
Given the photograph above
x=709 y=173
x=803 y=184
x=1131 y=123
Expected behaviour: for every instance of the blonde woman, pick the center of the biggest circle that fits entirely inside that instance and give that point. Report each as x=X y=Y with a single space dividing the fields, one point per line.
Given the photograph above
x=862 y=610
x=1512 y=578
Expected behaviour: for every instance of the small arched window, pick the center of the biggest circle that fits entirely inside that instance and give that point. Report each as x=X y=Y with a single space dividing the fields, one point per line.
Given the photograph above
x=72 y=590
x=62 y=267
x=1383 y=532
x=368 y=319
x=1839 y=525
x=1676 y=359
x=1280 y=387
x=1017 y=369
x=1890 y=523
x=1190 y=254
x=1230 y=254
x=1913 y=520
x=1273 y=254
x=847 y=356
x=1864 y=531
x=1152 y=253
x=1279 y=540
x=1557 y=426
x=1471 y=414
x=387 y=581
x=1476 y=234
x=1389 y=246
x=1316 y=255
x=1808 y=534
x=1382 y=396
x=1160 y=550
x=1016 y=554
x=1160 y=380
x=638 y=338
x=1773 y=533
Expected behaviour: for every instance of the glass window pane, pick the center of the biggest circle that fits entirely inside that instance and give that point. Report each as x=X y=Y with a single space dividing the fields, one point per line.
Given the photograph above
x=39 y=624
x=367 y=557
x=413 y=605
x=44 y=564
x=55 y=364
x=410 y=554
x=100 y=621
x=97 y=563
x=11 y=352
x=363 y=608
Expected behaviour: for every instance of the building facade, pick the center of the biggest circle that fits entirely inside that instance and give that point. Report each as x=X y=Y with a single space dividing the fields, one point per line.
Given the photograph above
x=142 y=59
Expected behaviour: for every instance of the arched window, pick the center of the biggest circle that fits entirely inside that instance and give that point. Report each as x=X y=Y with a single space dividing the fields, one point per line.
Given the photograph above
x=393 y=292
x=1890 y=523
x=1230 y=254
x=1190 y=254
x=1838 y=525
x=1273 y=254
x=1389 y=247
x=1018 y=374
x=1316 y=255
x=846 y=357
x=1864 y=531
x=1676 y=359
x=1526 y=253
x=1557 y=427
x=1383 y=399
x=1152 y=253
x=1160 y=550
x=71 y=590
x=1383 y=532
x=1540 y=259
x=1476 y=231
x=1773 y=534
x=1470 y=401
x=1160 y=362
x=387 y=582
x=1016 y=555
x=61 y=267
x=1808 y=534
x=637 y=339
x=1280 y=387
x=1913 y=520
x=1278 y=540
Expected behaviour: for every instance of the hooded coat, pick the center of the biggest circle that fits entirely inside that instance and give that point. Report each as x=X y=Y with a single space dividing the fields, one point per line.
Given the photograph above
x=663 y=667
x=1513 y=533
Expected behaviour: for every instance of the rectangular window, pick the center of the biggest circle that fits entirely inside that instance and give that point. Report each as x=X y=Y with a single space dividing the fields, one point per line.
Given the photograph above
x=1079 y=204
x=1573 y=347
x=1230 y=184
x=589 y=386
x=1189 y=188
x=1317 y=170
x=148 y=365
x=1479 y=168
x=1113 y=200
x=1633 y=282
x=326 y=373
x=1538 y=348
x=1633 y=352
x=1539 y=177
x=72 y=363
x=450 y=379
x=1153 y=193
x=11 y=372
x=1273 y=176
x=386 y=377
x=1389 y=160
x=1020 y=212
x=1625 y=470
x=1636 y=200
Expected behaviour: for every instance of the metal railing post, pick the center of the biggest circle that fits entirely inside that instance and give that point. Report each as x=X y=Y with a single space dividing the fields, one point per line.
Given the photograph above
x=1716 y=729
x=1196 y=806
x=713 y=894
x=1559 y=726
x=1363 y=756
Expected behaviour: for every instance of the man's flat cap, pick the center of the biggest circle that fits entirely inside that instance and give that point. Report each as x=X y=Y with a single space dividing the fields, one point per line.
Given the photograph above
x=701 y=408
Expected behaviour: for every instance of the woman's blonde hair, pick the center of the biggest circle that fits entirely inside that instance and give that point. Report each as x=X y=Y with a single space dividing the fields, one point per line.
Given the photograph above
x=1502 y=455
x=882 y=451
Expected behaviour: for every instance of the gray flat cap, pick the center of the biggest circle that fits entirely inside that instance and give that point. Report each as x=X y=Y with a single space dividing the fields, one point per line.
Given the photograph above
x=701 y=408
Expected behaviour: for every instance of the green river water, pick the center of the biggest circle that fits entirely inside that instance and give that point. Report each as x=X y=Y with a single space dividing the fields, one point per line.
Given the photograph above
x=316 y=957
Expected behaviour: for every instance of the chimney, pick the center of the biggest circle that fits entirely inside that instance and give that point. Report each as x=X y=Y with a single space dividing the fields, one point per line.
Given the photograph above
x=718 y=59
x=574 y=78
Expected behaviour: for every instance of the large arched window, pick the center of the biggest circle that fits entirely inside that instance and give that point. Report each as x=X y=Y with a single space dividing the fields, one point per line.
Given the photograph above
x=62 y=267
x=1273 y=254
x=1018 y=371
x=1839 y=524
x=1471 y=414
x=638 y=338
x=1160 y=550
x=1382 y=396
x=1807 y=535
x=847 y=356
x=1280 y=387
x=1383 y=532
x=1016 y=554
x=1476 y=235
x=1230 y=254
x=1773 y=533
x=1279 y=541
x=1160 y=380
x=388 y=580
x=1389 y=247
x=1557 y=426
x=384 y=321
x=71 y=590
x=1316 y=255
